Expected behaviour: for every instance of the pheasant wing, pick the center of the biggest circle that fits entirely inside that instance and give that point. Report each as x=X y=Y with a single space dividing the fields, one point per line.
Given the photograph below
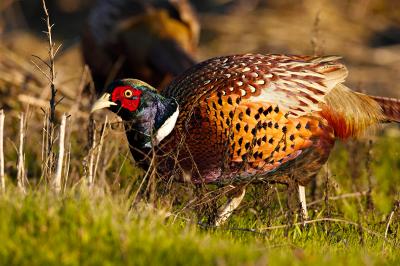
x=297 y=84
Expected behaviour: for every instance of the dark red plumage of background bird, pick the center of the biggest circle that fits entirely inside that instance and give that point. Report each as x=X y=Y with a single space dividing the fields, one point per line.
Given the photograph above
x=153 y=40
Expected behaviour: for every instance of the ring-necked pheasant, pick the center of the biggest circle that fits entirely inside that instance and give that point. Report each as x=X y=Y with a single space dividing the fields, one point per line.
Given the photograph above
x=248 y=118
x=153 y=40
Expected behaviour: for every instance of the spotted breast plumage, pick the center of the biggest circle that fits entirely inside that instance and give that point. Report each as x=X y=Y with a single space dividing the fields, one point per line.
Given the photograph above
x=250 y=118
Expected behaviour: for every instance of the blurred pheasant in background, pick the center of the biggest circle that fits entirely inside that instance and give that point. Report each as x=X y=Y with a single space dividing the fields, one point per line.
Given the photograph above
x=153 y=40
x=247 y=118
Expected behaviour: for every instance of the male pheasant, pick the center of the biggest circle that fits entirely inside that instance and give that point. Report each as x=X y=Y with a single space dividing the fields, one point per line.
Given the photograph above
x=153 y=40
x=247 y=118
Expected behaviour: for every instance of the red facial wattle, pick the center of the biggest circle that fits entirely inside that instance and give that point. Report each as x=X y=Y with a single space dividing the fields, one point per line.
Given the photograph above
x=128 y=97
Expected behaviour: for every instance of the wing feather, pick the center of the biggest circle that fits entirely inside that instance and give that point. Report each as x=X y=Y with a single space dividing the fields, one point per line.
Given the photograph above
x=297 y=84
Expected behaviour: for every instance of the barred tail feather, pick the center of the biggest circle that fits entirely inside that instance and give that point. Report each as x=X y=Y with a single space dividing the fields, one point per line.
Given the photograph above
x=390 y=108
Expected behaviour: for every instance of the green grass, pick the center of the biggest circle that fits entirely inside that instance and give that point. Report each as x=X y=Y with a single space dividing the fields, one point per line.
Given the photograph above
x=42 y=229
x=99 y=227
x=96 y=229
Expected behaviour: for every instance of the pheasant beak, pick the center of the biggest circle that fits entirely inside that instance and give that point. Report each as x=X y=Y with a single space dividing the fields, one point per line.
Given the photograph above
x=102 y=102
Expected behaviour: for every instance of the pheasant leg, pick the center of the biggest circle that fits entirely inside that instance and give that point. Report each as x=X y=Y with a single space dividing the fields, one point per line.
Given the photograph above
x=302 y=197
x=226 y=210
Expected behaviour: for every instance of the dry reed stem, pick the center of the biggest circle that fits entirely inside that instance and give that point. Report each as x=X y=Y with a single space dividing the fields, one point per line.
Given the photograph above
x=43 y=141
x=279 y=200
x=100 y=147
x=51 y=65
x=2 y=180
x=368 y=162
x=50 y=127
x=20 y=165
x=67 y=166
x=58 y=174
x=388 y=224
x=327 y=180
x=90 y=175
x=149 y=173
x=45 y=144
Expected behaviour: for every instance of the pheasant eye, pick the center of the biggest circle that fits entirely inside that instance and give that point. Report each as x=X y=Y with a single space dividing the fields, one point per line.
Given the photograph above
x=128 y=93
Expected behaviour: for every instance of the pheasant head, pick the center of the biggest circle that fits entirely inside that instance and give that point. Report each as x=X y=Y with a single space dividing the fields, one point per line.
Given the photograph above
x=147 y=114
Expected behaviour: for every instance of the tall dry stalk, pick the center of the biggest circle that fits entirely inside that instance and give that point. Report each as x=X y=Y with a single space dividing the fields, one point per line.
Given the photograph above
x=368 y=162
x=90 y=175
x=52 y=53
x=95 y=152
x=327 y=188
x=50 y=74
x=44 y=143
x=21 y=155
x=2 y=180
x=58 y=174
x=100 y=147
x=67 y=166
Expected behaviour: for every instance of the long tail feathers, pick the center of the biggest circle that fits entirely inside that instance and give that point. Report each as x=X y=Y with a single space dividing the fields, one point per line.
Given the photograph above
x=390 y=108
x=349 y=112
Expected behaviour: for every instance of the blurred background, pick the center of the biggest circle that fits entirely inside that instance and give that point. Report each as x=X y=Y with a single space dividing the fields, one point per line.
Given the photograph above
x=365 y=32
